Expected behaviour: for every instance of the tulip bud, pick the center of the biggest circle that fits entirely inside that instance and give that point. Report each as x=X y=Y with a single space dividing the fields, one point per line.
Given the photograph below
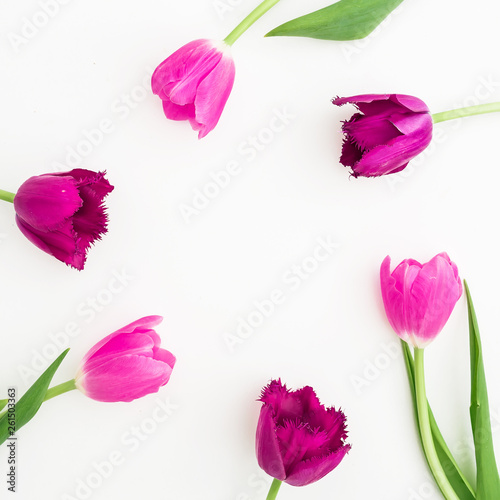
x=63 y=213
x=194 y=83
x=389 y=131
x=419 y=298
x=126 y=365
x=298 y=441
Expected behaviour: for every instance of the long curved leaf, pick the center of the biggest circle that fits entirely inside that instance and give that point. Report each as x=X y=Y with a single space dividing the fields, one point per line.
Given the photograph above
x=488 y=481
x=344 y=20
x=455 y=476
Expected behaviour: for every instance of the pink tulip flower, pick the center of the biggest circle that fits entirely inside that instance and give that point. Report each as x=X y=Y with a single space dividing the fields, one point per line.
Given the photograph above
x=389 y=131
x=419 y=298
x=299 y=441
x=126 y=365
x=63 y=213
x=194 y=83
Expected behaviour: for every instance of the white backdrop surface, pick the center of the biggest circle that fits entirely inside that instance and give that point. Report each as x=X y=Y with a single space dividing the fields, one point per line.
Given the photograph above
x=88 y=68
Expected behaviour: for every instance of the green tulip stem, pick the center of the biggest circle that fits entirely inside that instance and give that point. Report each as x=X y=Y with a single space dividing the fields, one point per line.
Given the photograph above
x=7 y=196
x=255 y=15
x=60 y=389
x=425 y=430
x=52 y=392
x=273 y=491
x=480 y=109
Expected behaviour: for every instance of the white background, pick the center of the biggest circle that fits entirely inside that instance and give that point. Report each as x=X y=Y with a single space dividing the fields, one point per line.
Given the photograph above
x=92 y=61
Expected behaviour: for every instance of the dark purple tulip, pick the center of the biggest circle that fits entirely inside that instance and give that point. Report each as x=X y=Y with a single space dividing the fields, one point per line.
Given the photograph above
x=299 y=441
x=389 y=131
x=63 y=213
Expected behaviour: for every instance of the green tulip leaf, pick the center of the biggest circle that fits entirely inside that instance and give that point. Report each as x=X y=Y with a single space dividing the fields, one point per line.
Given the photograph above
x=344 y=20
x=29 y=404
x=488 y=481
x=455 y=476
x=3 y=403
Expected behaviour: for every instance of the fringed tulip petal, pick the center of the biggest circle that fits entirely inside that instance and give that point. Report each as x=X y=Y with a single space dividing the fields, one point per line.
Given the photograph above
x=63 y=213
x=390 y=131
x=315 y=468
x=61 y=243
x=298 y=440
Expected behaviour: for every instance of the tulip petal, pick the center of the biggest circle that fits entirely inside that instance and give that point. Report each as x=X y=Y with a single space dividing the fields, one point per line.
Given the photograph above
x=389 y=158
x=267 y=446
x=176 y=112
x=351 y=153
x=124 y=378
x=60 y=243
x=285 y=404
x=125 y=343
x=185 y=90
x=368 y=132
x=298 y=442
x=384 y=104
x=309 y=471
x=434 y=294
x=212 y=95
x=141 y=325
x=181 y=62
x=164 y=356
x=332 y=423
x=46 y=202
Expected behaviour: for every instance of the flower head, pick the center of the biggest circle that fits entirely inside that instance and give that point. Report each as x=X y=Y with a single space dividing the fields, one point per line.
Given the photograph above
x=63 y=213
x=389 y=131
x=194 y=83
x=419 y=298
x=126 y=365
x=298 y=440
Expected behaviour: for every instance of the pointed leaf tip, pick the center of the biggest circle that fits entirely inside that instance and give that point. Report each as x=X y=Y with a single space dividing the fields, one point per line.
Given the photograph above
x=27 y=407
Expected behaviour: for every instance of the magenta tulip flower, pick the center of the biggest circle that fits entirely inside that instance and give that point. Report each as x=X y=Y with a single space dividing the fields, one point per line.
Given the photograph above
x=63 y=213
x=299 y=441
x=419 y=298
x=126 y=365
x=389 y=131
x=194 y=83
